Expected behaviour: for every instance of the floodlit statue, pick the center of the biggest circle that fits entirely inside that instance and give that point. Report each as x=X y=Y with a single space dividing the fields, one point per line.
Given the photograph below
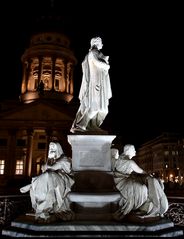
x=141 y=192
x=114 y=157
x=49 y=190
x=95 y=90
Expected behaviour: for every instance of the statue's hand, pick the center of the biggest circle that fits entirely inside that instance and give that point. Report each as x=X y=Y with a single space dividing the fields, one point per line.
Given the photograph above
x=107 y=67
x=44 y=168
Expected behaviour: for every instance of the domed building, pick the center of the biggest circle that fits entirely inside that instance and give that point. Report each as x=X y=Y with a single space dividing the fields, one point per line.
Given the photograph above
x=45 y=109
x=48 y=66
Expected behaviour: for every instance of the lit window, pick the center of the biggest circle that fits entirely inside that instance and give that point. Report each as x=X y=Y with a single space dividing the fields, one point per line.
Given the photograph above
x=2 y=164
x=166 y=152
x=38 y=168
x=173 y=152
x=19 y=167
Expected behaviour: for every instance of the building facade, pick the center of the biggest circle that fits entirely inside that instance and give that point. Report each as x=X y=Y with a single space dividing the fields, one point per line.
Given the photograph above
x=164 y=155
x=44 y=110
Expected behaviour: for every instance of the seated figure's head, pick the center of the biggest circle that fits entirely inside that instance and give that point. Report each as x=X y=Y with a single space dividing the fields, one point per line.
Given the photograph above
x=129 y=150
x=96 y=41
x=55 y=150
x=115 y=153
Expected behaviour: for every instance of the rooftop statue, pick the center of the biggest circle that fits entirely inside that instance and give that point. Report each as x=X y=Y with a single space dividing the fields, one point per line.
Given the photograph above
x=95 y=90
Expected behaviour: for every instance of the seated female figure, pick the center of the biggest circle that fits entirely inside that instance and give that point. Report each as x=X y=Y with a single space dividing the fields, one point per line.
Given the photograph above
x=140 y=191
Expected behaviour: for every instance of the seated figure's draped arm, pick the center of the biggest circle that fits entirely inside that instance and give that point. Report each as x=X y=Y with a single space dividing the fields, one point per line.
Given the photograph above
x=136 y=168
x=62 y=165
x=65 y=166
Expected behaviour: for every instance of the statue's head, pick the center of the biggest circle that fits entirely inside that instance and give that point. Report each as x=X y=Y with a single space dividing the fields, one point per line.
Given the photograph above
x=55 y=150
x=96 y=41
x=115 y=153
x=129 y=150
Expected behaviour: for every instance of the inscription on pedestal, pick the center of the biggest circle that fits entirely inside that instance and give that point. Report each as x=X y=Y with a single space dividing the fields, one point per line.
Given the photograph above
x=90 y=159
x=91 y=152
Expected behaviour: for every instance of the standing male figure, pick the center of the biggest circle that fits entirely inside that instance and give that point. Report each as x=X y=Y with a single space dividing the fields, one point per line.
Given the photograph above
x=95 y=90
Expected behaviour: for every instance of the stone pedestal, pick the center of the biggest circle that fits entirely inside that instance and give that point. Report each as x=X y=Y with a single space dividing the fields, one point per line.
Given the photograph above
x=94 y=195
x=91 y=152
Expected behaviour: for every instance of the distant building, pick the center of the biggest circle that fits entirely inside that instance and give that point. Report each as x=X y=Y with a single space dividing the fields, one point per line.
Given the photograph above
x=45 y=109
x=164 y=155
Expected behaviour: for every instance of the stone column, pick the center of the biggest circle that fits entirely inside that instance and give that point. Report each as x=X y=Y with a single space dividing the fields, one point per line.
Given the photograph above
x=48 y=139
x=29 y=155
x=53 y=73
x=24 y=84
x=40 y=69
x=71 y=80
x=10 y=164
x=66 y=76
x=27 y=74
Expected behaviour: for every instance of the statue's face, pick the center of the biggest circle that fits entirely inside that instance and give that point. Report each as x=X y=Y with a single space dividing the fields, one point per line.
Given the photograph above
x=115 y=153
x=131 y=152
x=97 y=42
x=99 y=45
x=52 y=150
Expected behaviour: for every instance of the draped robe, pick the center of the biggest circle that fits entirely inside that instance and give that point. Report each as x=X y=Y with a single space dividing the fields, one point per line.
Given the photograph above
x=95 y=92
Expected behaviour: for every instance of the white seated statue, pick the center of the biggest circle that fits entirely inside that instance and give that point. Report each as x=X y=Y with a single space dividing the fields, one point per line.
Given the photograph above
x=114 y=157
x=49 y=190
x=95 y=90
x=140 y=191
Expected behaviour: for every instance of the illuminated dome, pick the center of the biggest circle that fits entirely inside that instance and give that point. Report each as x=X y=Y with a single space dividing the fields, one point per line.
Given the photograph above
x=48 y=66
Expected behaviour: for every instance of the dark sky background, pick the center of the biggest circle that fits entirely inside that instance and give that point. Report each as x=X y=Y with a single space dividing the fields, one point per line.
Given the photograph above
x=144 y=41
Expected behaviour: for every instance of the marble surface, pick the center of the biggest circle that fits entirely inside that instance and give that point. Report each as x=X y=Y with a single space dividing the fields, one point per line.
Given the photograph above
x=25 y=226
x=29 y=223
x=94 y=197
x=91 y=152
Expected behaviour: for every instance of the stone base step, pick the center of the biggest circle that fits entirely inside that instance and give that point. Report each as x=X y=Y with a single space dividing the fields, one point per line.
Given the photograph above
x=94 y=206
x=25 y=226
x=107 y=197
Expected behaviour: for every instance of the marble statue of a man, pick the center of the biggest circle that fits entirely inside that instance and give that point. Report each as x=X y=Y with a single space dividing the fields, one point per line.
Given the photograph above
x=49 y=190
x=95 y=90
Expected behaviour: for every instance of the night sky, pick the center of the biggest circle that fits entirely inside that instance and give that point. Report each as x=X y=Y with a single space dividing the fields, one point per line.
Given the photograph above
x=144 y=42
